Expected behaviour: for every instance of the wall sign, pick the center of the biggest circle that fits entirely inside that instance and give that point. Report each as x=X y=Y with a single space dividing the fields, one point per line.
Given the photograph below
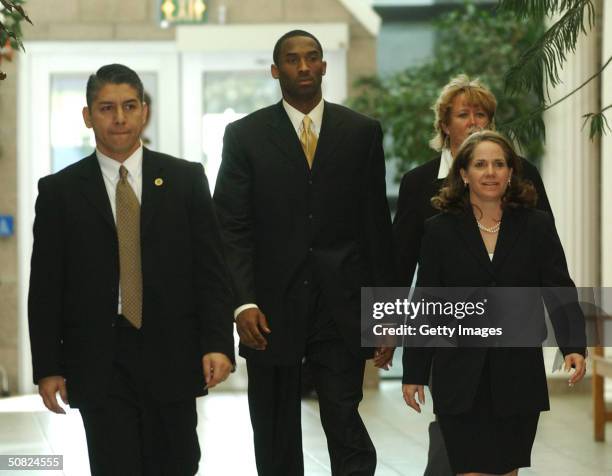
x=6 y=225
x=182 y=11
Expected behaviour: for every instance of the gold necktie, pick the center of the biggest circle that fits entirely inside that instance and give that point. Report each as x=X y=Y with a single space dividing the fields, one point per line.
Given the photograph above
x=128 y=234
x=309 y=140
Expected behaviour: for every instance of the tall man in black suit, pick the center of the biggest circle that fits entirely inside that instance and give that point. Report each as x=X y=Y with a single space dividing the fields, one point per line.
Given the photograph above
x=302 y=203
x=129 y=304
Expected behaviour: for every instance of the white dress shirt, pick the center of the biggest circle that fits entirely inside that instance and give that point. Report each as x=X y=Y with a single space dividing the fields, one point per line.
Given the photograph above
x=446 y=160
x=110 y=174
x=296 y=117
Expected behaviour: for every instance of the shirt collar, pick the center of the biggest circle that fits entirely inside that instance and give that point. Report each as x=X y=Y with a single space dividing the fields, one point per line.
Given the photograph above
x=110 y=167
x=446 y=160
x=296 y=117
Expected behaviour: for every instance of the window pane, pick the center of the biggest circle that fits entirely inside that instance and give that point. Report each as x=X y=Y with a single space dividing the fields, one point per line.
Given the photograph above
x=70 y=139
x=230 y=95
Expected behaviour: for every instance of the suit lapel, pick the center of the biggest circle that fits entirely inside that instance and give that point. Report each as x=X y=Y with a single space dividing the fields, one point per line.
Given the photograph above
x=511 y=226
x=152 y=188
x=330 y=136
x=282 y=134
x=94 y=190
x=468 y=229
x=436 y=183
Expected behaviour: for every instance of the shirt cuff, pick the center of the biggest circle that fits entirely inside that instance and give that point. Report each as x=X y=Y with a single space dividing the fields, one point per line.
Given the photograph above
x=243 y=307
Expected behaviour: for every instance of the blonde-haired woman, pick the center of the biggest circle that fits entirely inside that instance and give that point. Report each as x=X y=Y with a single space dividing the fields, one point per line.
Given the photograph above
x=465 y=105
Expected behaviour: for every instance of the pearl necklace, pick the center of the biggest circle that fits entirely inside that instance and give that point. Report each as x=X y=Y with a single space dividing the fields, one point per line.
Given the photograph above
x=493 y=229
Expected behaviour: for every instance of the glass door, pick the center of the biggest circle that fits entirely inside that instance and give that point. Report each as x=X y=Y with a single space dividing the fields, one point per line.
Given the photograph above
x=52 y=135
x=221 y=88
x=70 y=140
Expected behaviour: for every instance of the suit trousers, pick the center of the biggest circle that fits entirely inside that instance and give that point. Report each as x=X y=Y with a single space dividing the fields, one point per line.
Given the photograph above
x=275 y=405
x=132 y=434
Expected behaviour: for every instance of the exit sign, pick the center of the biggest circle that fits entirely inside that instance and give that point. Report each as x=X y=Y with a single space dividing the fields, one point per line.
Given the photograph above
x=182 y=11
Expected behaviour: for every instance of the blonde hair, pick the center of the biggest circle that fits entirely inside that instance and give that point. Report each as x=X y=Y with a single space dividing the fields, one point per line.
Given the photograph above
x=476 y=94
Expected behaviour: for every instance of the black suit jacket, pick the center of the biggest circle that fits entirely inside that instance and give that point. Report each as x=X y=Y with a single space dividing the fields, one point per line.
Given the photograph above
x=74 y=279
x=277 y=216
x=417 y=188
x=528 y=253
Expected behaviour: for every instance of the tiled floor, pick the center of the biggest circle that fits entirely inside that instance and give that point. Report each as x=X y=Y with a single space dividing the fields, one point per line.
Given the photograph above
x=564 y=444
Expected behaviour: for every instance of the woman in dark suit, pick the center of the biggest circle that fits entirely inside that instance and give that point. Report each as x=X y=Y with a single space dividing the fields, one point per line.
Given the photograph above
x=488 y=234
x=464 y=106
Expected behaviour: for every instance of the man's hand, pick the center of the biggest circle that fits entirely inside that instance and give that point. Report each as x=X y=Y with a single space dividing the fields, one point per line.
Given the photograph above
x=383 y=357
x=409 y=391
x=250 y=324
x=217 y=367
x=577 y=362
x=47 y=389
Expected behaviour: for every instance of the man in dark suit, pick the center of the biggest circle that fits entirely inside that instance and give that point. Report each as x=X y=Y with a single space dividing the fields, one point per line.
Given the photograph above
x=302 y=204
x=129 y=303
x=463 y=106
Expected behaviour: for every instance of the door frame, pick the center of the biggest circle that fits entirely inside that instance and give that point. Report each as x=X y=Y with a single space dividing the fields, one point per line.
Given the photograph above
x=42 y=60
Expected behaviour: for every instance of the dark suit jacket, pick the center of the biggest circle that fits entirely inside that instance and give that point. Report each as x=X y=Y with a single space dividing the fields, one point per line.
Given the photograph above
x=417 y=188
x=277 y=216
x=528 y=253
x=74 y=280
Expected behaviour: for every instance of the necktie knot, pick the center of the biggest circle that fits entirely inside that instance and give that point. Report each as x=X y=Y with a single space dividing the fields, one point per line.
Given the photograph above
x=123 y=173
x=308 y=139
x=306 y=122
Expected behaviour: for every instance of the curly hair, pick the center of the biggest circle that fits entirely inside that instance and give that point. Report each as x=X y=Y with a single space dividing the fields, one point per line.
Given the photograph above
x=454 y=196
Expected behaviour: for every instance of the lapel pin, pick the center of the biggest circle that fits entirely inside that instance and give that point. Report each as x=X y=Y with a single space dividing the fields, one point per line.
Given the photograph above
x=159 y=182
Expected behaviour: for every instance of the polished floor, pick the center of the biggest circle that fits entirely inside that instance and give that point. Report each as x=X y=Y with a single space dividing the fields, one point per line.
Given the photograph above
x=563 y=446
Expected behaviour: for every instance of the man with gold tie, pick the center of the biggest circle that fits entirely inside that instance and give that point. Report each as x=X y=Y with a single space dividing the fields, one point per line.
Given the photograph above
x=302 y=204
x=129 y=305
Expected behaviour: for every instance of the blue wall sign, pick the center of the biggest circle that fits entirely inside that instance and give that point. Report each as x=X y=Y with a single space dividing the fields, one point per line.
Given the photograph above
x=6 y=225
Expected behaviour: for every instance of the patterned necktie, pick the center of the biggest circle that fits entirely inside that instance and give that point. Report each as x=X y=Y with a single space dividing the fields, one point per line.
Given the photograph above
x=128 y=233
x=309 y=140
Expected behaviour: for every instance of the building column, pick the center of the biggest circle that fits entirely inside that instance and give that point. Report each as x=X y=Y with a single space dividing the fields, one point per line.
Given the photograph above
x=606 y=152
x=606 y=177
x=571 y=172
x=571 y=169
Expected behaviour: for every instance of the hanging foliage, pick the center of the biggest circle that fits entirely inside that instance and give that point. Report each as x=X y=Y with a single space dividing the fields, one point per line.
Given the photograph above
x=11 y=16
x=472 y=40
x=539 y=66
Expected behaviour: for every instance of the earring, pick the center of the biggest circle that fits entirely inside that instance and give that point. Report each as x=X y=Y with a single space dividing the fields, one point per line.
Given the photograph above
x=465 y=184
x=509 y=181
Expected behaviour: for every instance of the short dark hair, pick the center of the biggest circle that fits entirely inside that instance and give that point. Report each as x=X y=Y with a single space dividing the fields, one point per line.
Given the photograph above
x=113 y=74
x=291 y=34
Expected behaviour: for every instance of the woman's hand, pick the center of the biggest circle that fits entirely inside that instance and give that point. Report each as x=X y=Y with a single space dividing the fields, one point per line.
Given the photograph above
x=578 y=363
x=409 y=390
